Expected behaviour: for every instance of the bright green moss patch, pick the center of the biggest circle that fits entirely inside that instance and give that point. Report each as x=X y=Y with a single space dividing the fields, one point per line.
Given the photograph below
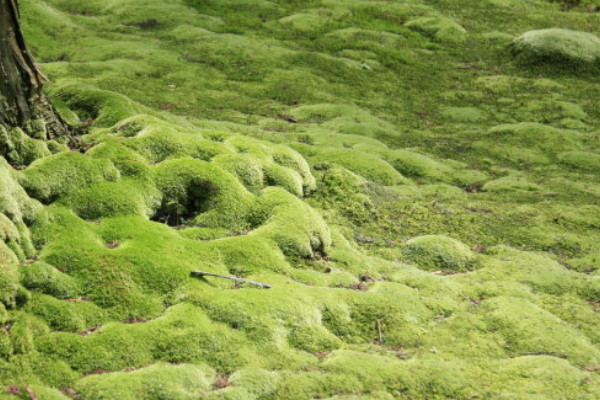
x=108 y=199
x=364 y=164
x=200 y=193
x=57 y=175
x=177 y=382
x=439 y=252
x=47 y=279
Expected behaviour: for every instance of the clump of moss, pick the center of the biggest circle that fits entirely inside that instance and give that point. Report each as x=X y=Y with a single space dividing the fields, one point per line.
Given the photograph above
x=463 y=114
x=57 y=175
x=439 y=28
x=158 y=381
x=437 y=252
x=572 y=49
x=20 y=148
x=126 y=160
x=510 y=183
x=61 y=315
x=313 y=339
x=16 y=211
x=293 y=225
x=581 y=160
x=107 y=199
x=9 y=279
x=101 y=107
x=200 y=193
x=416 y=165
x=369 y=166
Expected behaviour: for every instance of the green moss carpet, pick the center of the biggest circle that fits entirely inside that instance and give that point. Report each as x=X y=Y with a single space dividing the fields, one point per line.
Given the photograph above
x=419 y=181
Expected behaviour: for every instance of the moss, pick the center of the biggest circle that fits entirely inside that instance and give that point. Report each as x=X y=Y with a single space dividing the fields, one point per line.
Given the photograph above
x=127 y=161
x=556 y=46
x=16 y=210
x=439 y=252
x=9 y=278
x=109 y=199
x=64 y=315
x=532 y=376
x=305 y=22
x=525 y=267
x=312 y=339
x=57 y=175
x=302 y=386
x=102 y=107
x=535 y=136
x=20 y=148
x=182 y=335
x=510 y=183
x=276 y=175
x=251 y=382
x=157 y=140
x=297 y=228
x=361 y=163
x=439 y=28
x=46 y=279
x=581 y=160
x=463 y=114
x=245 y=167
x=201 y=193
x=289 y=158
x=413 y=164
x=158 y=381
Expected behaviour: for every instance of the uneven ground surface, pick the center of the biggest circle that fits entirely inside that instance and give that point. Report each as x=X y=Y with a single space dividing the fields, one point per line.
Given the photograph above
x=424 y=200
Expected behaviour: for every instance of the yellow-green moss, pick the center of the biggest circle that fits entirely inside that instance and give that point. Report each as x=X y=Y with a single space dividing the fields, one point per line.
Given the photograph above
x=57 y=175
x=439 y=252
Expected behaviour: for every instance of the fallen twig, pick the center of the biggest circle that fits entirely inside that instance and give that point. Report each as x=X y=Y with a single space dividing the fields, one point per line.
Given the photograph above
x=380 y=331
x=202 y=274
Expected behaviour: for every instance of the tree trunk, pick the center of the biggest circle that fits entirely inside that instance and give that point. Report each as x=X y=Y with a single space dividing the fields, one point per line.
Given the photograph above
x=22 y=102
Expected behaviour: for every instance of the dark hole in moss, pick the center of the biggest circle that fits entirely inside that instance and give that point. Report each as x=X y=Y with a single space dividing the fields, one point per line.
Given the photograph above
x=86 y=109
x=178 y=209
x=148 y=24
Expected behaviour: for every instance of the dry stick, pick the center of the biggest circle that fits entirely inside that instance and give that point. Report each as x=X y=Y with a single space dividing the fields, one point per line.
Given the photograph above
x=381 y=337
x=231 y=278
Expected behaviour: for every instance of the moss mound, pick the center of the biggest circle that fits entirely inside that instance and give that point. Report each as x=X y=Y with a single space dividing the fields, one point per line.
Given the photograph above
x=439 y=28
x=439 y=252
x=558 y=46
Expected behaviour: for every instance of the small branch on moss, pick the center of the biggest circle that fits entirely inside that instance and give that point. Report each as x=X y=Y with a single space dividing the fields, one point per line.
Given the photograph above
x=380 y=331
x=201 y=274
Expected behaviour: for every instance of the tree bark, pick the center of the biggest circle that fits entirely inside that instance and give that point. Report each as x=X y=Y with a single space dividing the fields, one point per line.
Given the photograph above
x=22 y=101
